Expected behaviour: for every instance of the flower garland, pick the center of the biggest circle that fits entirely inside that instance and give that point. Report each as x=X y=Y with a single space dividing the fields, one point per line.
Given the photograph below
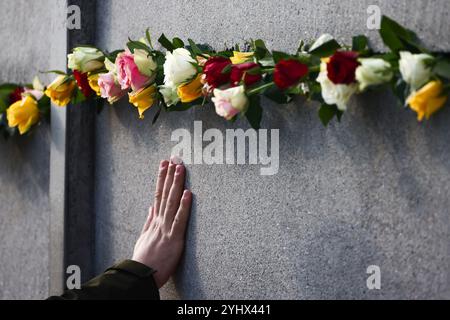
x=234 y=80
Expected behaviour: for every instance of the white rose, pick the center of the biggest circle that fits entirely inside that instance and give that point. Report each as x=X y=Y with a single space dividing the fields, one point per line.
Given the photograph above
x=321 y=40
x=414 y=69
x=85 y=59
x=145 y=63
x=373 y=71
x=169 y=94
x=178 y=67
x=338 y=94
x=230 y=102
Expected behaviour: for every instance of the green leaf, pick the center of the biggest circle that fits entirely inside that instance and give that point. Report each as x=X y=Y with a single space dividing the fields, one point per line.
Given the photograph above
x=327 y=113
x=442 y=68
x=301 y=46
x=166 y=43
x=157 y=114
x=9 y=86
x=360 y=43
x=278 y=56
x=401 y=90
x=78 y=97
x=398 y=38
x=149 y=38
x=259 y=48
x=254 y=112
x=62 y=73
x=277 y=95
x=195 y=49
x=326 y=49
x=44 y=105
x=177 y=43
x=133 y=45
x=227 y=69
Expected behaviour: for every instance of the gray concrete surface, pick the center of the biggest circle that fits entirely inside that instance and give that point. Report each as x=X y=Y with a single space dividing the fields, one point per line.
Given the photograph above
x=371 y=190
x=24 y=173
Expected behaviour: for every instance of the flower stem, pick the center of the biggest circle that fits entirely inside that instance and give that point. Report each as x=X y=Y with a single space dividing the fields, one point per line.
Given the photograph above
x=260 y=88
x=314 y=69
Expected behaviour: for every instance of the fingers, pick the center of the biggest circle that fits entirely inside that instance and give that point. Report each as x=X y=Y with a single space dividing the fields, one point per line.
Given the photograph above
x=167 y=186
x=160 y=185
x=182 y=216
x=175 y=193
x=149 y=219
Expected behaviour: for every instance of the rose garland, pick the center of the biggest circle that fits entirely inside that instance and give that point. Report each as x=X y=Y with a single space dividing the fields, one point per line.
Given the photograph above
x=234 y=80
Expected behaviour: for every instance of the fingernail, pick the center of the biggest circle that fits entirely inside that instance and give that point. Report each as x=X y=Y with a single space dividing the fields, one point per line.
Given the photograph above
x=176 y=160
x=163 y=164
x=179 y=169
x=186 y=193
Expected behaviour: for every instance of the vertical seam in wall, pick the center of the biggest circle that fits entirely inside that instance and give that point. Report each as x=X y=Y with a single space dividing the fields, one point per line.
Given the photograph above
x=57 y=184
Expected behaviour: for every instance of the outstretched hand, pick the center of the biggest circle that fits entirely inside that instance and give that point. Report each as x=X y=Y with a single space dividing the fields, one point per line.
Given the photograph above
x=161 y=242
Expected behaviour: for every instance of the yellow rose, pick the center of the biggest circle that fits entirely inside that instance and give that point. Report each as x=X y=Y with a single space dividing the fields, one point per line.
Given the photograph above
x=427 y=100
x=241 y=57
x=192 y=90
x=143 y=99
x=93 y=83
x=60 y=90
x=23 y=113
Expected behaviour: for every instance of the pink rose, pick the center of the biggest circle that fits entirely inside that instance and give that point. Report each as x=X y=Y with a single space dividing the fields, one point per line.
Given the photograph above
x=128 y=73
x=109 y=88
x=230 y=102
x=225 y=109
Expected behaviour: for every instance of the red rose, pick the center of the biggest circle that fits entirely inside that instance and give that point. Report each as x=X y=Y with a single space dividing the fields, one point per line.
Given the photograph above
x=83 y=83
x=342 y=66
x=239 y=73
x=213 y=71
x=288 y=72
x=16 y=95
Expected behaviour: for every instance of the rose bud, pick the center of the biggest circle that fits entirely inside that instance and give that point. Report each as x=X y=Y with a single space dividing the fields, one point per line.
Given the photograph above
x=83 y=83
x=239 y=72
x=288 y=73
x=342 y=66
x=213 y=71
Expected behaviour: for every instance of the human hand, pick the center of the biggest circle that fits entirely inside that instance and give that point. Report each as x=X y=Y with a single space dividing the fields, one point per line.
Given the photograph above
x=161 y=242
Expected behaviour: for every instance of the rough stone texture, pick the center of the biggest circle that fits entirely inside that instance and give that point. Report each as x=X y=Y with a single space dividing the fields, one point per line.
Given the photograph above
x=371 y=190
x=281 y=23
x=24 y=173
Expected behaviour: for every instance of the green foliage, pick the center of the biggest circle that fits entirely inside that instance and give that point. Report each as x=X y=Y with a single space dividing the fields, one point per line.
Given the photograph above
x=442 y=68
x=397 y=38
x=166 y=43
x=327 y=113
x=326 y=49
x=133 y=45
x=254 y=112
x=360 y=44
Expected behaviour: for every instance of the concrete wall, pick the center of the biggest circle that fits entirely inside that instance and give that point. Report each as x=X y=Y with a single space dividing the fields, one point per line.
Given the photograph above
x=371 y=190
x=24 y=170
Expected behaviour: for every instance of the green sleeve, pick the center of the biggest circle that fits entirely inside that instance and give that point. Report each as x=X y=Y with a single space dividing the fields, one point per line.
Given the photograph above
x=127 y=280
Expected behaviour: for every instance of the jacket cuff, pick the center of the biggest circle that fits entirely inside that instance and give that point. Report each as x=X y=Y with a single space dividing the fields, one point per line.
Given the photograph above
x=136 y=268
x=142 y=278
